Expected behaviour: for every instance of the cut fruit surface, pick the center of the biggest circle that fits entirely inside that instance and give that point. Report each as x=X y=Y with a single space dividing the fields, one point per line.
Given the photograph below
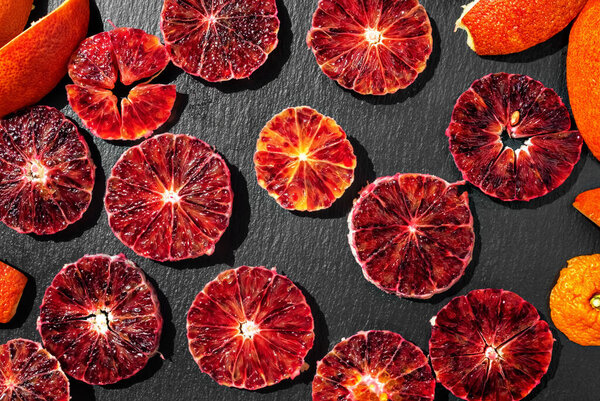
x=376 y=365
x=250 y=328
x=304 y=160
x=169 y=198
x=521 y=109
x=219 y=40
x=101 y=318
x=12 y=284
x=29 y=373
x=46 y=171
x=128 y=55
x=412 y=234
x=588 y=203
x=490 y=345
x=373 y=47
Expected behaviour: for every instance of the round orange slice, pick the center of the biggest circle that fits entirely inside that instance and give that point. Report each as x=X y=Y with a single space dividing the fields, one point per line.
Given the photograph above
x=12 y=284
x=588 y=203
x=304 y=160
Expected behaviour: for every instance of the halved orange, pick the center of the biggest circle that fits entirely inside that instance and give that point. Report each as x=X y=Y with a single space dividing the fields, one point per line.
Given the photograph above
x=35 y=61
x=13 y=17
x=588 y=203
x=12 y=284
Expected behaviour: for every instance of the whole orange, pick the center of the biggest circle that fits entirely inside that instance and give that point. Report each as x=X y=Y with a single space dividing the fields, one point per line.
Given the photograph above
x=12 y=284
x=13 y=17
x=35 y=61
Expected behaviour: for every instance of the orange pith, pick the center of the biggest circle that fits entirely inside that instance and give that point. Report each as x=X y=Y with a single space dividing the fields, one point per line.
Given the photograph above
x=575 y=300
x=12 y=283
x=583 y=64
x=13 y=17
x=35 y=61
x=509 y=26
x=588 y=203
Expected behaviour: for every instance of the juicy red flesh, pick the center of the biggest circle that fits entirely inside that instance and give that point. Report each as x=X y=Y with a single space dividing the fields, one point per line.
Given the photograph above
x=101 y=318
x=524 y=109
x=412 y=234
x=219 y=40
x=130 y=55
x=372 y=47
x=30 y=373
x=169 y=198
x=490 y=345
x=46 y=172
x=374 y=365
x=282 y=328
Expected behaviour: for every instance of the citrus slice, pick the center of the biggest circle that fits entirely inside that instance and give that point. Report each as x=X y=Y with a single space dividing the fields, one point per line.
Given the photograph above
x=575 y=300
x=412 y=234
x=371 y=47
x=490 y=345
x=34 y=62
x=250 y=328
x=219 y=40
x=304 y=160
x=588 y=203
x=13 y=18
x=169 y=198
x=29 y=373
x=101 y=318
x=375 y=365
x=46 y=171
x=12 y=284
x=509 y=26
x=500 y=108
x=129 y=55
x=583 y=63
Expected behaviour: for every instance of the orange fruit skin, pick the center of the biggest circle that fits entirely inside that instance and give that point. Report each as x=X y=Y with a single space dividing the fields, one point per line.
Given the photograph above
x=35 y=61
x=570 y=306
x=12 y=284
x=13 y=17
x=583 y=64
x=588 y=203
x=510 y=26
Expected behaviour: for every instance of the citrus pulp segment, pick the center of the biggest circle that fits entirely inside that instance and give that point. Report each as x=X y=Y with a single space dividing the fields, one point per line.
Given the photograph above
x=376 y=365
x=490 y=345
x=304 y=160
x=371 y=47
x=128 y=55
x=169 y=198
x=412 y=234
x=219 y=40
x=101 y=318
x=29 y=373
x=46 y=171
x=518 y=107
x=250 y=328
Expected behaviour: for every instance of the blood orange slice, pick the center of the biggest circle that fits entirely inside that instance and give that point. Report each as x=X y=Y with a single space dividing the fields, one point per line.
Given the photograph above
x=372 y=47
x=504 y=106
x=250 y=328
x=412 y=234
x=490 y=345
x=169 y=198
x=376 y=365
x=130 y=55
x=29 y=373
x=46 y=171
x=304 y=160
x=101 y=318
x=219 y=40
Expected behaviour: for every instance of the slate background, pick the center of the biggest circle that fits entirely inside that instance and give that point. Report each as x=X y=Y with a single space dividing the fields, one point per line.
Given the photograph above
x=520 y=247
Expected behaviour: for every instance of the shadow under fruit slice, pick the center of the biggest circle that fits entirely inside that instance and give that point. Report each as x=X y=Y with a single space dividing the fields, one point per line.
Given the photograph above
x=101 y=318
x=304 y=160
x=412 y=234
x=46 y=171
x=219 y=40
x=373 y=47
x=169 y=198
x=130 y=55
x=29 y=373
x=500 y=108
x=376 y=365
x=490 y=345
x=12 y=284
x=250 y=328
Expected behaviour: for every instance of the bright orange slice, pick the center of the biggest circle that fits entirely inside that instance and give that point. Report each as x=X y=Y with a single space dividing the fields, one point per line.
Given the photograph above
x=304 y=160
x=13 y=17
x=12 y=284
x=588 y=203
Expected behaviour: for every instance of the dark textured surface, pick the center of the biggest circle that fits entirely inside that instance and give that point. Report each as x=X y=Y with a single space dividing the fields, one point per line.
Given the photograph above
x=519 y=247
